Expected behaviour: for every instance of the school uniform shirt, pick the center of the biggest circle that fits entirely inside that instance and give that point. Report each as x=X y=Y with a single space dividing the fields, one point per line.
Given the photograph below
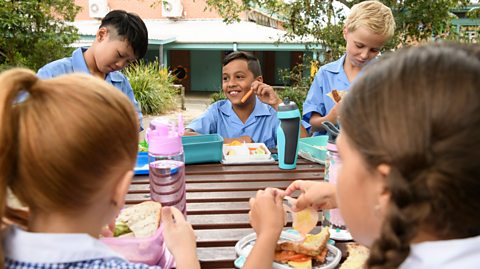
x=456 y=253
x=220 y=119
x=77 y=63
x=56 y=251
x=329 y=77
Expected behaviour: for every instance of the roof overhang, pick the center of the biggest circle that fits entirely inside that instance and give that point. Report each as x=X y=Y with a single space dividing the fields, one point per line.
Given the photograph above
x=209 y=34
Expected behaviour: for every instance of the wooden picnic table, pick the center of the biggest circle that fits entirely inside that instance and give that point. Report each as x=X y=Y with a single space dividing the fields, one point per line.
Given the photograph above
x=217 y=202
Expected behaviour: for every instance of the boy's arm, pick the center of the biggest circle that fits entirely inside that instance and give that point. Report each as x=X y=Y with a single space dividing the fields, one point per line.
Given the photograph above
x=190 y=132
x=316 y=119
x=205 y=123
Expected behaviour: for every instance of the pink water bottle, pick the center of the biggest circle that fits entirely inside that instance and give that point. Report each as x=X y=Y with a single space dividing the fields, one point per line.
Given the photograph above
x=338 y=229
x=166 y=163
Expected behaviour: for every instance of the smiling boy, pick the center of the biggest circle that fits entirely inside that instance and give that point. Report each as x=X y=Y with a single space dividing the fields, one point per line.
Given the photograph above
x=367 y=28
x=255 y=120
x=122 y=38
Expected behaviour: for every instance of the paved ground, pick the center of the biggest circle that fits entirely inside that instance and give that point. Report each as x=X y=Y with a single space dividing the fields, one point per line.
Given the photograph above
x=195 y=104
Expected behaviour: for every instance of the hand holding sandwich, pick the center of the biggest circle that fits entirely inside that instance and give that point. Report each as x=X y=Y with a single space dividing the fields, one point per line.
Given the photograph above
x=319 y=195
x=179 y=238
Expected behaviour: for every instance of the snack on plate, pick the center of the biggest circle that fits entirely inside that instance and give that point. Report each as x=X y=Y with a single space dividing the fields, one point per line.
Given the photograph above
x=256 y=151
x=304 y=254
x=235 y=143
x=141 y=220
x=357 y=256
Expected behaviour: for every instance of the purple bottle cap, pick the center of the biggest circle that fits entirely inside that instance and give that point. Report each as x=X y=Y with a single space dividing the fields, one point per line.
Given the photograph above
x=162 y=138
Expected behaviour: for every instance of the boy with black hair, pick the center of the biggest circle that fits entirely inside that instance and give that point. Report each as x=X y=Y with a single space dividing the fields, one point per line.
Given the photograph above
x=243 y=116
x=121 y=39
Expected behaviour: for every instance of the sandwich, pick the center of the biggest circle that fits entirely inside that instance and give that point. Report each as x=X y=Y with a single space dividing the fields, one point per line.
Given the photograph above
x=336 y=95
x=304 y=254
x=357 y=256
x=141 y=220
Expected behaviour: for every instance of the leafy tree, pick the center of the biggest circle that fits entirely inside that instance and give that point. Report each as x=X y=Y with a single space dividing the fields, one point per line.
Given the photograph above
x=416 y=20
x=35 y=32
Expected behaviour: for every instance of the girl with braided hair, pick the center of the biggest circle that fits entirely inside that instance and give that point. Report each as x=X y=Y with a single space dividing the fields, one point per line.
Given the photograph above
x=410 y=178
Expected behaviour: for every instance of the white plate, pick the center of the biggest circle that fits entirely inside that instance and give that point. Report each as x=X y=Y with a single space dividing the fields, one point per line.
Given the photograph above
x=340 y=235
x=233 y=162
x=245 y=245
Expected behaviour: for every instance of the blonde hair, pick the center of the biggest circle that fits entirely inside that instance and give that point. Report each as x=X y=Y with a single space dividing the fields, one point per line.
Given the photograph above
x=372 y=15
x=62 y=144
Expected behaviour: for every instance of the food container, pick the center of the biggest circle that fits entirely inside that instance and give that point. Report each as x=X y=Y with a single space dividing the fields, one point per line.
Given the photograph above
x=246 y=153
x=245 y=245
x=141 y=167
x=313 y=148
x=202 y=148
x=147 y=250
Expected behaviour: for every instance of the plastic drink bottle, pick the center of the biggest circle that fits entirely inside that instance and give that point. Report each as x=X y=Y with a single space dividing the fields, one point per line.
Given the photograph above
x=288 y=133
x=166 y=163
x=332 y=166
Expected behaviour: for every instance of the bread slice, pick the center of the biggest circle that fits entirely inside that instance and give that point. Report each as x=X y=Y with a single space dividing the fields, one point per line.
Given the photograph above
x=357 y=256
x=301 y=265
x=312 y=245
x=143 y=219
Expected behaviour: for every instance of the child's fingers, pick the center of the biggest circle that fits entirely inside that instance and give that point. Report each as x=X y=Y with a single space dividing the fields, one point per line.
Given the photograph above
x=167 y=217
x=279 y=201
x=251 y=202
x=296 y=185
x=179 y=218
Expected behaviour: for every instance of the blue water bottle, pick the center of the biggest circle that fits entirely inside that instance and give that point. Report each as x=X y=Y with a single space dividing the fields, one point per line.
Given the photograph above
x=288 y=133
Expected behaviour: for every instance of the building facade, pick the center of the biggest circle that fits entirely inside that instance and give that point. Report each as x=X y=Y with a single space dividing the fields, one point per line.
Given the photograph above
x=191 y=40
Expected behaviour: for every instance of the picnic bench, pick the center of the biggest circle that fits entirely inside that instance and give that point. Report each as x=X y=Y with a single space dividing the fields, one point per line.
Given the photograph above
x=217 y=202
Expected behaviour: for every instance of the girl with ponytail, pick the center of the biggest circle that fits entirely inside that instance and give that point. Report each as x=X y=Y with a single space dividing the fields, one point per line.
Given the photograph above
x=67 y=153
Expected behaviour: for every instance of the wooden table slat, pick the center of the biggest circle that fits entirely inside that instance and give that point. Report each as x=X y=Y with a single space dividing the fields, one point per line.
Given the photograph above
x=218 y=208
x=217 y=202
x=219 y=186
x=303 y=175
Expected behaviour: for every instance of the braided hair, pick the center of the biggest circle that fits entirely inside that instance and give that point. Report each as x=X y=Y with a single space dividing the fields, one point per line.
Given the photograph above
x=418 y=111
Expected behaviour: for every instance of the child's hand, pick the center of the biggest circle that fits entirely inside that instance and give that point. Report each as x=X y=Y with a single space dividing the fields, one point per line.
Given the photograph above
x=319 y=195
x=179 y=238
x=266 y=94
x=243 y=138
x=107 y=230
x=267 y=213
x=332 y=116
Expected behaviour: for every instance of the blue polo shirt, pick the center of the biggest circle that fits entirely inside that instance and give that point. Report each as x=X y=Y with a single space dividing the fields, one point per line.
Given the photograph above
x=220 y=119
x=77 y=63
x=329 y=77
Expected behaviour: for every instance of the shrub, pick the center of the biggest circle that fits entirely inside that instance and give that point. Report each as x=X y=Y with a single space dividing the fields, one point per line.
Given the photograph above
x=152 y=86
x=217 y=96
x=295 y=94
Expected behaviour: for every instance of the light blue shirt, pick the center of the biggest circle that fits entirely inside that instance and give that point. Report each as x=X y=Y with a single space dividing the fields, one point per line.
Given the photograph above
x=55 y=250
x=77 y=63
x=329 y=77
x=220 y=119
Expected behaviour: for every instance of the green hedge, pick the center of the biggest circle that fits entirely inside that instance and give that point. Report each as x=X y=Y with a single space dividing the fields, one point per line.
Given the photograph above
x=152 y=86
